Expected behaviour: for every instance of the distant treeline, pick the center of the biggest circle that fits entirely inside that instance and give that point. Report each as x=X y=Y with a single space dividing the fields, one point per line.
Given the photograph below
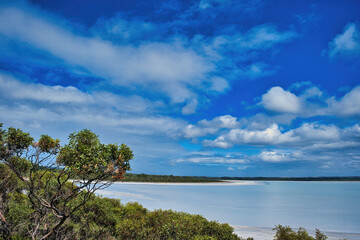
x=292 y=178
x=131 y=177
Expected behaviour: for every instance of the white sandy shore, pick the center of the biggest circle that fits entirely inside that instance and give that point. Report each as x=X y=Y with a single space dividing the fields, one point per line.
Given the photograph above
x=266 y=233
x=223 y=183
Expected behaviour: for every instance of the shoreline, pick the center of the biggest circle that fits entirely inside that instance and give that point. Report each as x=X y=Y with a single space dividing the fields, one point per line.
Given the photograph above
x=222 y=183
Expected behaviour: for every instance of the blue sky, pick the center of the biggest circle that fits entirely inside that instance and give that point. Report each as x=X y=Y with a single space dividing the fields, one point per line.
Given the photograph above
x=209 y=87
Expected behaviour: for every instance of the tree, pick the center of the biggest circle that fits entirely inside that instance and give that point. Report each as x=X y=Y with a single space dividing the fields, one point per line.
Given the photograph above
x=286 y=233
x=43 y=170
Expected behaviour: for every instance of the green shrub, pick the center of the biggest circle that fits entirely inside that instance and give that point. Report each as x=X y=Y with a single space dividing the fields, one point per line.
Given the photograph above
x=286 y=233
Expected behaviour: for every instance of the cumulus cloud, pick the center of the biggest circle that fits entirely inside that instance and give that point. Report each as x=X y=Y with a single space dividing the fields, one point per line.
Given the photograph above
x=348 y=105
x=205 y=127
x=219 y=84
x=311 y=101
x=274 y=156
x=279 y=100
x=346 y=43
x=308 y=142
x=243 y=136
x=306 y=134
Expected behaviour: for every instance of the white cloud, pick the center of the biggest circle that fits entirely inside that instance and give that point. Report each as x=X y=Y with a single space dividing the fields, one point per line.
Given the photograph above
x=37 y=105
x=192 y=131
x=311 y=102
x=219 y=84
x=262 y=121
x=312 y=133
x=348 y=105
x=270 y=135
x=225 y=121
x=265 y=36
x=238 y=168
x=245 y=49
x=346 y=43
x=258 y=69
x=164 y=67
x=306 y=134
x=260 y=37
x=124 y=30
x=279 y=100
x=15 y=89
x=190 y=107
x=205 y=127
x=211 y=158
x=88 y=118
x=312 y=92
x=274 y=156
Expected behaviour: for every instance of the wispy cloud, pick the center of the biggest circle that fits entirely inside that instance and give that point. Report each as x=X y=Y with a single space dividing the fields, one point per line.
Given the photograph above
x=163 y=67
x=346 y=44
x=125 y=51
x=211 y=158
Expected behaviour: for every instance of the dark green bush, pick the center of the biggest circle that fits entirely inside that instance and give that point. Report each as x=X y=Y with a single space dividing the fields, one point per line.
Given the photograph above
x=286 y=233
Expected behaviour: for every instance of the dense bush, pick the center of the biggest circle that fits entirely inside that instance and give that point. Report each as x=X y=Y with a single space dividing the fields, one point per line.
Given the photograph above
x=131 y=177
x=104 y=218
x=286 y=233
x=36 y=198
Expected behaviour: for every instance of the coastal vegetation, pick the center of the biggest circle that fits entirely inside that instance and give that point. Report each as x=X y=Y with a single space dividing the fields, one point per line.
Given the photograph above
x=130 y=177
x=302 y=179
x=37 y=200
x=104 y=218
x=286 y=233
x=142 y=177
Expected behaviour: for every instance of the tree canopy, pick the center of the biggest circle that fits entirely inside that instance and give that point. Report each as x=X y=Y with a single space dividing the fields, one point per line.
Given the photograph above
x=26 y=167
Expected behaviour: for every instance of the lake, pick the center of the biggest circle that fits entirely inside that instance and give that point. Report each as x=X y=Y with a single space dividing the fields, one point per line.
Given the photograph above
x=329 y=206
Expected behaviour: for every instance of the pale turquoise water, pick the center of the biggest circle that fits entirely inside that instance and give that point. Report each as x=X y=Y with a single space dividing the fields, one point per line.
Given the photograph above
x=329 y=206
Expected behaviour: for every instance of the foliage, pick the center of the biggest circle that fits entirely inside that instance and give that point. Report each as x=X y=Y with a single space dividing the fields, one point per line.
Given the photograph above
x=50 y=200
x=286 y=233
x=130 y=177
x=106 y=218
x=304 y=179
x=85 y=155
